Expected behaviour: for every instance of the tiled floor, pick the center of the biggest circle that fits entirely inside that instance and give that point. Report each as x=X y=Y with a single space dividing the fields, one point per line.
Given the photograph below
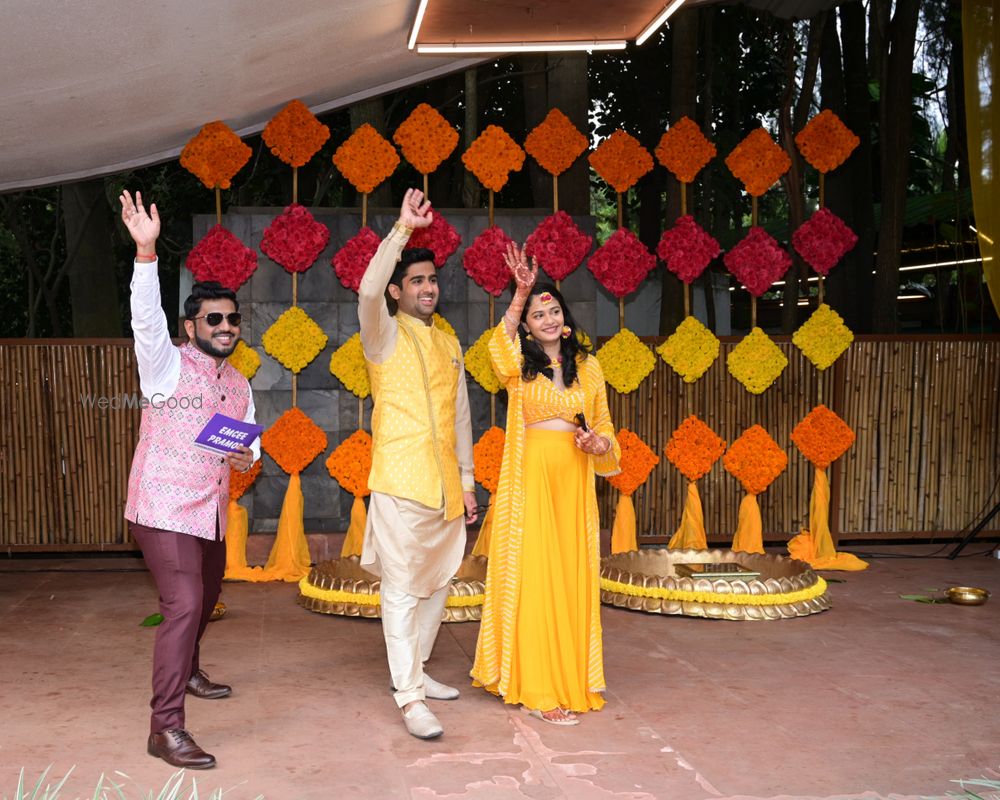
x=878 y=698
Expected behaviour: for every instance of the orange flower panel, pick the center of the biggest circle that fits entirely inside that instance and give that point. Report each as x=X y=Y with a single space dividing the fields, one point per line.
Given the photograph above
x=758 y=161
x=823 y=436
x=621 y=160
x=366 y=159
x=555 y=143
x=487 y=455
x=426 y=138
x=351 y=462
x=295 y=135
x=293 y=441
x=684 y=150
x=693 y=448
x=826 y=142
x=492 y=157
x=755 y=460
x=636 y=463
x=214 y=155
x=239 y=482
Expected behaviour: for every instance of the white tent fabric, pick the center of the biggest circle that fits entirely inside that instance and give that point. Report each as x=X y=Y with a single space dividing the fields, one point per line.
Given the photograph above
x=90 y=88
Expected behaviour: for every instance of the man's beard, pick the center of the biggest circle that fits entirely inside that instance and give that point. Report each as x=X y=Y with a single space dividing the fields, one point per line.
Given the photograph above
x=209 y=347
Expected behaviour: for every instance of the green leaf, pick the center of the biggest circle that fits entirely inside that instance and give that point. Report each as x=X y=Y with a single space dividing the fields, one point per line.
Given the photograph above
x=916 y=597
x=152 y=620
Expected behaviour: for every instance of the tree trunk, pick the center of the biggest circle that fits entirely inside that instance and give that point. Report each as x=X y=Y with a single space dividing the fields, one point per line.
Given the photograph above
x=91 y=265
x=372 y=112
x=895 y=119
x=471 y=190
x=850 y=189
x=683 y=103
x=536 y=105
x=568 y=91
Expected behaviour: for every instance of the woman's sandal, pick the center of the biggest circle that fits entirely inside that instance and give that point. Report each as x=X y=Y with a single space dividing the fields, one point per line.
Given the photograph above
x=563 y=717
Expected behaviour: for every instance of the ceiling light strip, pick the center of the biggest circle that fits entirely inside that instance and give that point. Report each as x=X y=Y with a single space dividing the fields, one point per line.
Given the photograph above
x=517 y=47
x=417 y=21
x=662 y=17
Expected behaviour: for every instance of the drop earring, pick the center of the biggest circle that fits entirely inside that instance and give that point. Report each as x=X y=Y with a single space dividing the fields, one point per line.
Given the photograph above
x=566 y=331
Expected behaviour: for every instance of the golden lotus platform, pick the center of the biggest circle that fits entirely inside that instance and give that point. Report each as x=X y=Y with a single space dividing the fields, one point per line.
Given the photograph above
x=342 y=586
x=647 y=580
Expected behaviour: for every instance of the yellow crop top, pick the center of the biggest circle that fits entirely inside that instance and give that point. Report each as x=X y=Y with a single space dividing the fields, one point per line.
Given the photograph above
x=542 y=401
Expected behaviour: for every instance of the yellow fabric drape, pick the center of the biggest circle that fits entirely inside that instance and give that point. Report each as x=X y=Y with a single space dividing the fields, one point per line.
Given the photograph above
x=623 y=536
x=236 y=546
x=482 y=546
x=815 y=546
x=749 y=536
x=356 y=530
x=289 y=559
x=691 y=533
x=980 y=37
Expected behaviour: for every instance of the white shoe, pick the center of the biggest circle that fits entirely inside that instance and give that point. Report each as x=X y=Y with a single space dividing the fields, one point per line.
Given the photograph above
x=436 y=690
x=420 y=722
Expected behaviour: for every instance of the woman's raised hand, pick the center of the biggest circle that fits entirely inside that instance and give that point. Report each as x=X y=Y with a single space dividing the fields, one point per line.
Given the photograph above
x=517 y=264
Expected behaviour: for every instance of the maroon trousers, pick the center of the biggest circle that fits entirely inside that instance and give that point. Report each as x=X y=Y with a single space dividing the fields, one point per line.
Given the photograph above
x=188 y=573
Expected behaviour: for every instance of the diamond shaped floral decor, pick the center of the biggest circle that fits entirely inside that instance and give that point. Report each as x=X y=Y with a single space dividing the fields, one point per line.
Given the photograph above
x=559 y=245
x=637 y=461
x=294 y=134
x=426 y=138
x=487 y=456
x=294 y=340
x=214 y=155
x=440 y=237
x=687 y=249
x=294 y=239
x=693 y=448
x=684 y=150
x=626 y=361
x=756 y=361
x=442 y=324
x=350 y=261
x=822 y=436
x=690 y=350
x=479 y=365
x=755 y=460
x=220 y=256
x=823 y=240
x=758 y=161
x=757 y=261
x=621 y=263
x=245 y=359
x=293 y=441
x=484 y=260
x=555 y=143
x=826 y=142
x=347 y=365
x=366 y=159
x=823 y=337
x=492 y=157
x=621 y=160
x=350 y=463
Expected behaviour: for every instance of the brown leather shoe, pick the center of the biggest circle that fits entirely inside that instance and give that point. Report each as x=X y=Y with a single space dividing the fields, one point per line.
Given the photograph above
x=200 y=686
x=177 y=748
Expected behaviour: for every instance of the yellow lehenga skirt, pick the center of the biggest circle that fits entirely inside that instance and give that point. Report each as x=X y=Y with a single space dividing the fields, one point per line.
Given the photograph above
x=551 y=641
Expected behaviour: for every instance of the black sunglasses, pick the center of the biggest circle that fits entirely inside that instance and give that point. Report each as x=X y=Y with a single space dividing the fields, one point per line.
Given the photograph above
x=215 y=318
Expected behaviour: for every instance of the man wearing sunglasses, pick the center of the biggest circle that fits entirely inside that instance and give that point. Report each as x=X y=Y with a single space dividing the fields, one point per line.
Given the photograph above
x=178 y=494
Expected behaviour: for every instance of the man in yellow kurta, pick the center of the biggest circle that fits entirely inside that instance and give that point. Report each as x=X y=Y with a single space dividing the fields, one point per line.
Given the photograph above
x=421 y=481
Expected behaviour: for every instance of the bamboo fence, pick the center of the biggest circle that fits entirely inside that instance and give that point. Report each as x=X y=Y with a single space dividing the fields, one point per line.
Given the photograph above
x=925 y=463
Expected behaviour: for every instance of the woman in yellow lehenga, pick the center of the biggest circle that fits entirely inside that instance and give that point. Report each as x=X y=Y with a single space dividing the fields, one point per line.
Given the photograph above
x=540 y=639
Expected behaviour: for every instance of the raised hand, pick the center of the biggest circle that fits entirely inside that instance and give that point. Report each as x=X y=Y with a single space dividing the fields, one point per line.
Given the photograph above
x=517 y=264
x=415 y=211
x=143 y=227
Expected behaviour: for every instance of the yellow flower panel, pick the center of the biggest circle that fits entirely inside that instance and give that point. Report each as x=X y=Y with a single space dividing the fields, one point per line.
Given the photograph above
x=479 y=365
x=690 y=350
x=245 y=359
x=294 y=340
x=347 y=365
x=626 y=361
x=756 y=361
x=442 y=324
x=823 y=337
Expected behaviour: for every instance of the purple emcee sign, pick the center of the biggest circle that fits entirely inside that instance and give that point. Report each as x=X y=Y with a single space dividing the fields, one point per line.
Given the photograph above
x=224 y=434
